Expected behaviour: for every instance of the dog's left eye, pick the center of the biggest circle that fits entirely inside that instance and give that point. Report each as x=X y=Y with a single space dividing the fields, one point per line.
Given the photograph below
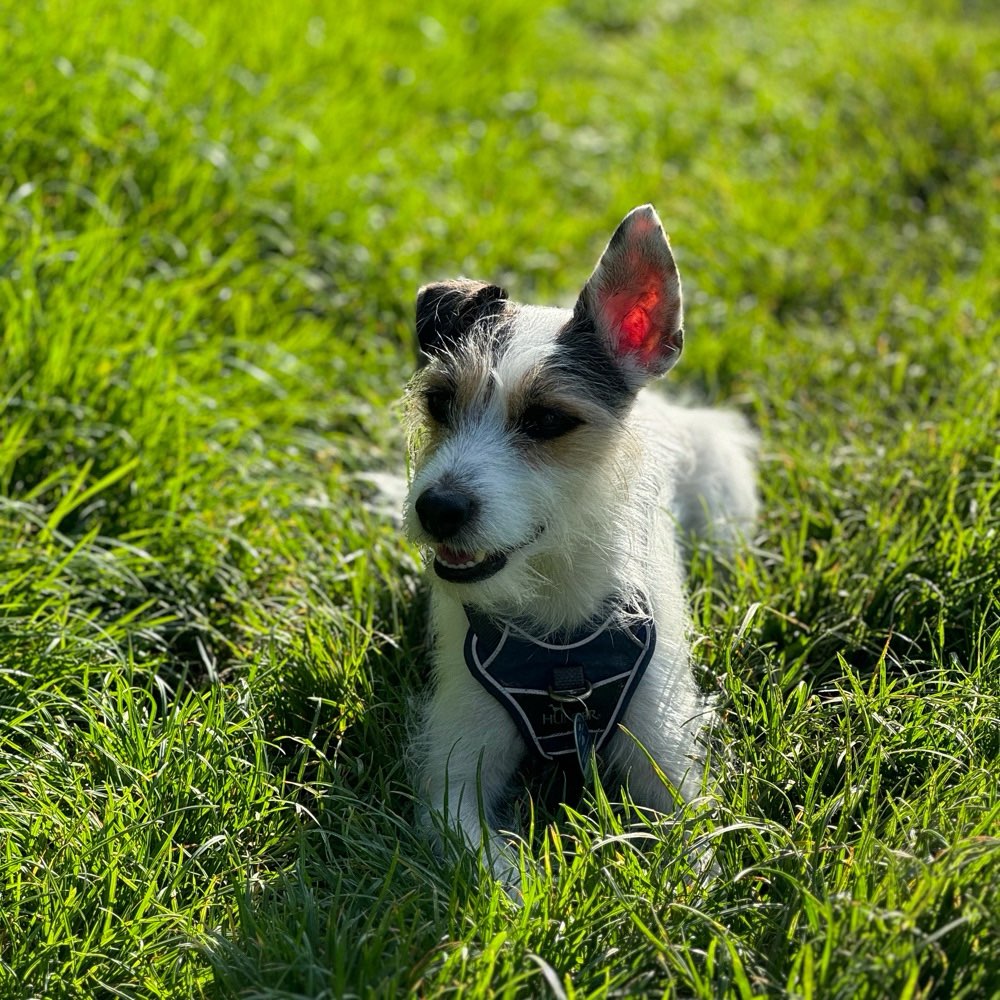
x=543 y=423
x=439 y=405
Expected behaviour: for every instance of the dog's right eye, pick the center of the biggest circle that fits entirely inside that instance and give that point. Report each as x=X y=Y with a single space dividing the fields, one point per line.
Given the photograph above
x=543 y=423
x=439 y=405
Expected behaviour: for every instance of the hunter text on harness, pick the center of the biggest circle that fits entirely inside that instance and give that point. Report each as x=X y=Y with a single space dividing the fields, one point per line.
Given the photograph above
x=567 y=691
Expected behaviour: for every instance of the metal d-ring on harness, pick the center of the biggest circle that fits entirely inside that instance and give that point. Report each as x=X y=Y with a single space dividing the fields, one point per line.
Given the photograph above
x=571 y=692
x=566 y=691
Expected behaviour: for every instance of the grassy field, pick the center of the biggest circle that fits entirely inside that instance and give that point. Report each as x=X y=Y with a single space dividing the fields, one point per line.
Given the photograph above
x=213 y=219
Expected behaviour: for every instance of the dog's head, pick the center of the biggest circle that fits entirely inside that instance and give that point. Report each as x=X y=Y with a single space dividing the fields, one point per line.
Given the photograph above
x=521 y=454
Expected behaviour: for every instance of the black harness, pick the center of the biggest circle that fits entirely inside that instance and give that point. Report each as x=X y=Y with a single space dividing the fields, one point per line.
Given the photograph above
x=567 y=691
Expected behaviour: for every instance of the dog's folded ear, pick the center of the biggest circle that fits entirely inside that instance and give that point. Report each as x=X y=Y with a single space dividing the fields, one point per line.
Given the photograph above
x=447 y=310
x=633 y=298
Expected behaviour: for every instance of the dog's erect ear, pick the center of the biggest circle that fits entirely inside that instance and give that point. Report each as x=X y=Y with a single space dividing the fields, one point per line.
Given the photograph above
x=633 y=297
x=447 y=310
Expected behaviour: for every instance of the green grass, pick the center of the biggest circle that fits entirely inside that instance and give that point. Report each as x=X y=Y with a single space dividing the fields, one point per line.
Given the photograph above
x=213 y=219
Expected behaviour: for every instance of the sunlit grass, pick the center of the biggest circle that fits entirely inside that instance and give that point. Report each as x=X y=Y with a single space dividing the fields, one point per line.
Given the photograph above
x=213 y=219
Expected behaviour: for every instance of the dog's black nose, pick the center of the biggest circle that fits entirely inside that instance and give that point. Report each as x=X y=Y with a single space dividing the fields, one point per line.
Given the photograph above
x=444 y=512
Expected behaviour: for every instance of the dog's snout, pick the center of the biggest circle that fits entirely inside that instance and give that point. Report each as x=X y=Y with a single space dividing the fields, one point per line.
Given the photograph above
x=444 y=512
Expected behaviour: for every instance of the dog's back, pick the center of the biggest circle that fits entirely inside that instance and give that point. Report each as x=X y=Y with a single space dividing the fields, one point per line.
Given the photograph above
x=707 y=457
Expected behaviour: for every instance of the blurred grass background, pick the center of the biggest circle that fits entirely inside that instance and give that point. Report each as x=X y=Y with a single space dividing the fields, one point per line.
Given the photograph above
x=213 y=219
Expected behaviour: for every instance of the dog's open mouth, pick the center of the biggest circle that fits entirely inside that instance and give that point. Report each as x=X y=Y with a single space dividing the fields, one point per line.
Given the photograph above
x=466 y=567
x=459 y=566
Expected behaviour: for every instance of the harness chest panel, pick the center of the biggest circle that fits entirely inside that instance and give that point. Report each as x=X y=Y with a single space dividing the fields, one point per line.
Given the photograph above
x=545 y=684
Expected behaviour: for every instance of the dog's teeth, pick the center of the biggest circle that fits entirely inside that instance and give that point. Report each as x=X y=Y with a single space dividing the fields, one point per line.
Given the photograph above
x=470 y=561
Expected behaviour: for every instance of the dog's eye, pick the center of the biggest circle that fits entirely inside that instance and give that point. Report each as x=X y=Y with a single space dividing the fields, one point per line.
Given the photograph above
x=439 y=405
x=543 y=423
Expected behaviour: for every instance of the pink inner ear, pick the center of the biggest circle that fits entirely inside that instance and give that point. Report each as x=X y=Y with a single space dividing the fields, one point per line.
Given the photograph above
x=635 y=328
x=633 y=319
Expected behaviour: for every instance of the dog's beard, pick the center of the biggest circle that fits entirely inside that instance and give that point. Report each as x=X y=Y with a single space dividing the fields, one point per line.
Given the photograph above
x=595 y=546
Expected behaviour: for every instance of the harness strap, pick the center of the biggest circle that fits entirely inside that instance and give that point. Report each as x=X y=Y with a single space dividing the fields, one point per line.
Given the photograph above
x=566 y=692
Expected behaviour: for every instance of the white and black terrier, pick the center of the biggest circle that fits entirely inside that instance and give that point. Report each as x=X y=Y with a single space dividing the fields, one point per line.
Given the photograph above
x=554 y=493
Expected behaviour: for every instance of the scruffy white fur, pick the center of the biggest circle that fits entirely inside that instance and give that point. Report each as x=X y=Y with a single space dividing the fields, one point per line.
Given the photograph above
x=599 y=509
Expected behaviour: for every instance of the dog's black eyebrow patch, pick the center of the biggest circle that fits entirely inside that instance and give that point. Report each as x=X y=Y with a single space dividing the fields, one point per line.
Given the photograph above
x=447 y=310
x=588 y=362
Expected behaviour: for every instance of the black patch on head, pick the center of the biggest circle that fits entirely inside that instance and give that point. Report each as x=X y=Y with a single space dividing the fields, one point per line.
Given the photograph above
x=585 y=355
x=448 y=310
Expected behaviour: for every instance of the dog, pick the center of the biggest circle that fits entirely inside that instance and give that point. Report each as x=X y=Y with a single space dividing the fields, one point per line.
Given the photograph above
x=554 y=495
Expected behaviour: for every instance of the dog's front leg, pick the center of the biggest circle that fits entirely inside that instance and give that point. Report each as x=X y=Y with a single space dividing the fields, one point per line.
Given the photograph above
x=662 y=743
x=661 y=759
x=472 y=749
